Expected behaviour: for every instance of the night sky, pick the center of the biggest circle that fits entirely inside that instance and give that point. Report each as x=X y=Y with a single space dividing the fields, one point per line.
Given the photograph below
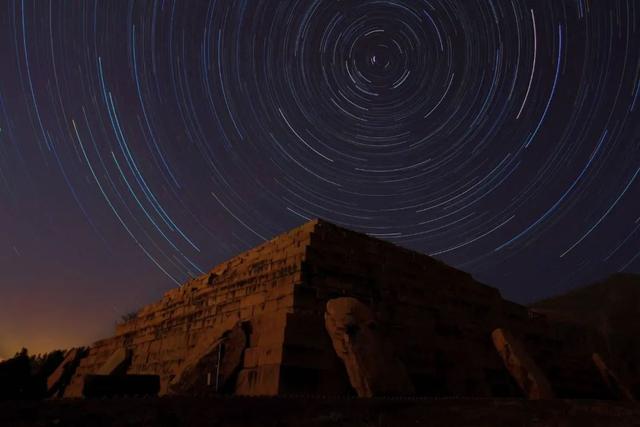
x=143 y=142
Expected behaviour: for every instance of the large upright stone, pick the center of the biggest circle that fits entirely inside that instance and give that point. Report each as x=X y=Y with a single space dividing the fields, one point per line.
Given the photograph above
x=212 y=365
x=521 y=366
x=616 y=387
x=58 y=380
x=369 y=360
x=117 y=363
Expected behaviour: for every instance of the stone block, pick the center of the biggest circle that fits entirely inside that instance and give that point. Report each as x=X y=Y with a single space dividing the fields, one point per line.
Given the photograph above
x=368 y=357
x=521 y=366
x=59 y=379
x=617 y=388
x=101 y=386
x=210 y=366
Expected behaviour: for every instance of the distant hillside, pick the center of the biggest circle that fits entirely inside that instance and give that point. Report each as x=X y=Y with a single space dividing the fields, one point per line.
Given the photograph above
x=611 y=304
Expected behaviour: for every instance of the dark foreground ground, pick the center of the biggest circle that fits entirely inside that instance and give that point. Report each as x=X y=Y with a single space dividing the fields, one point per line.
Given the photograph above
x=312 y=412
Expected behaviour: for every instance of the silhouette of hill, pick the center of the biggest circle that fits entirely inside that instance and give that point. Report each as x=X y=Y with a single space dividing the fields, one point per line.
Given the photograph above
x=610 y=305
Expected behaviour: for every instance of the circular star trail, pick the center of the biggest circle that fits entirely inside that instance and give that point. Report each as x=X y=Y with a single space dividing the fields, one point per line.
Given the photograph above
x=499 y=136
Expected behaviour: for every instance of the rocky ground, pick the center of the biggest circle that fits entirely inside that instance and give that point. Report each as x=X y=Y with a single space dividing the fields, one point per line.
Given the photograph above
x=316 y=412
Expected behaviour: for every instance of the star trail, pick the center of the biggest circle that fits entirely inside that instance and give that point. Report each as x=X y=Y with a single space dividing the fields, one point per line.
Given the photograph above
x=142 y=142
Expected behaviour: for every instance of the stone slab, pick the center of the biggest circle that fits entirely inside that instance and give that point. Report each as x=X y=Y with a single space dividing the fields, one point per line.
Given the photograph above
x=521 y=366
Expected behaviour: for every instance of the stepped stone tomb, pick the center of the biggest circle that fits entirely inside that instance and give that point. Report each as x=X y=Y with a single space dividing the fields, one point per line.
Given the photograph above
x=321 y=310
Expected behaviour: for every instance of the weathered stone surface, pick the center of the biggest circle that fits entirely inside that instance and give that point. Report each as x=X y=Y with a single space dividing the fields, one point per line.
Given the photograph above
x=58 y=380
x=117 y=363
x=212 y=365
x=521 y=366
x=371 y=365
x=618 y=389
